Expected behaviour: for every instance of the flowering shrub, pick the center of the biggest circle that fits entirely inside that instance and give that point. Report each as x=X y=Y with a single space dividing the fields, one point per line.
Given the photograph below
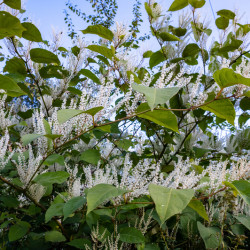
x=103 y=147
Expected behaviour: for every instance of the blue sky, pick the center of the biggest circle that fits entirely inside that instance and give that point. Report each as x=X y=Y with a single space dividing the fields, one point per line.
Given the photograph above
x=49 y=13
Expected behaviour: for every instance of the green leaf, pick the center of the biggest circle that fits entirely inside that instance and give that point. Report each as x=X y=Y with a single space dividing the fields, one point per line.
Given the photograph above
x=243 y=187
x=54 y=236
x=178 y=5
x=90 y=75
x=10 y=25
x=244 y=219
x=64 y=115
x=222 y=22
x=197 y=3
x=230 y=45
x=227 y=77
x=55 y=158
x=49 y=178
x=222 y=108
x=100 y=31
x=101 y=193
x=191 y=50
x=156 y=58
x=245 y=103
x=43 y=56
x=28 y=138
x=210 y=235
x=18 y=230
x=52 y=71
x=163 y=118
x=91 y=156
x=12 y=89
x=156 y=96
x=168 y=37
x=197 y=206
x=80 y=243
x=93 y=111
x=31 y=33
x=102 y=50
x=131 y=235
x=147 y=54
x=168 y=201
x=54 y=210
x=226 y=13
x=72 y=205
x=14 y=4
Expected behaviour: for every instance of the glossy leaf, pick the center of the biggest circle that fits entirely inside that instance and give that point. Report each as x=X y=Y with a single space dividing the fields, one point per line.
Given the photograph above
x=156 y=96
x=31 y=33
x=54 y=236
x=18 y=230
x=222 y=108
x=131 y=235
x=43 y=56
x=178 y=5
x=100 y=31
x=91 y=156
x=168 y=201
x=101 y=193
x=163 y=118
x=72 y=205
x=54 y=210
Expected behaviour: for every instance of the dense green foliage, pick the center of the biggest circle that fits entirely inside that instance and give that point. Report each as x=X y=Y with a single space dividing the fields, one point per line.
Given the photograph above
x=105 y=147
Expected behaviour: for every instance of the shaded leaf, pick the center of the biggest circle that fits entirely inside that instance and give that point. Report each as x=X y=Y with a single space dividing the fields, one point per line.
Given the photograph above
x=244 y=219
x=168 y=37
x=197 y=3
x=226 y=13
x=222 y=22
x=54 y=210
x=131 y=235
x=54 y=236
x=90 y=75
x=72 y=205
x=28 y=138
x=80 y=243
x=18 y=230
